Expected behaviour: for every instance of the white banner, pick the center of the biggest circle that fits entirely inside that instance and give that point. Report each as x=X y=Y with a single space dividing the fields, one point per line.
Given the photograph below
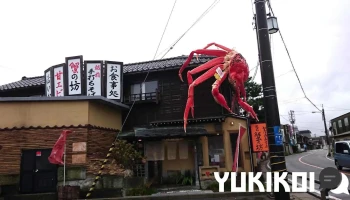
x=58 y=81
x=74 y=76
x=113 y=81
x=93 y=79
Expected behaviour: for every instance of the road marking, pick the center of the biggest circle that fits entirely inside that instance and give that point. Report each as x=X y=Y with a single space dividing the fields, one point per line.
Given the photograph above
x=316 y=191
x=307 y=163
x=316 y=166
x=328 y=158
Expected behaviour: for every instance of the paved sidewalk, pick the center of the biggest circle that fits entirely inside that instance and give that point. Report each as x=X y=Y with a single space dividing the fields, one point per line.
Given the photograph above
x=216 y=196
x=302 y=196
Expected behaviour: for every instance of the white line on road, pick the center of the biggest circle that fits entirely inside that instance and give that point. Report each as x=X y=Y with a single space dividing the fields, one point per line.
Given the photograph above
x=307 y=163
x=329 y=158
x=316 y=191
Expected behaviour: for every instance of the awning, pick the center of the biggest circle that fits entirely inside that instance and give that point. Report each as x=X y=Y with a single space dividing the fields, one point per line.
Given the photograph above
x=167 y=132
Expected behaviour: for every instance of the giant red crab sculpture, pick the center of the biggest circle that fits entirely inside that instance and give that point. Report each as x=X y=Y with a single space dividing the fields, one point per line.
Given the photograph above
x=228 y=63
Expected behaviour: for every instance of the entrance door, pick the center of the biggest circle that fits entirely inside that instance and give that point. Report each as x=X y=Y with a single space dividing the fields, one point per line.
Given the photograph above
x=155 y=171
x=37 y=173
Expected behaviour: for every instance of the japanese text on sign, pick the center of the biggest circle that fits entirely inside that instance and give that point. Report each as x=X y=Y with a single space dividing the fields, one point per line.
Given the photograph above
x=259 y=137
x=113 y=83
x=58 y=82
x=74 y=76
x=48 y=84
x=93 y=79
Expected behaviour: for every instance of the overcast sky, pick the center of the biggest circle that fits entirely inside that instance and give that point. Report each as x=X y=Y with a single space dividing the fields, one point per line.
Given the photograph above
x=38 y=34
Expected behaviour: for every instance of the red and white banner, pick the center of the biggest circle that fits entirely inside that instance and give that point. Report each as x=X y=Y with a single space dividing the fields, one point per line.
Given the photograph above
x=241 y=132
x=58 y=149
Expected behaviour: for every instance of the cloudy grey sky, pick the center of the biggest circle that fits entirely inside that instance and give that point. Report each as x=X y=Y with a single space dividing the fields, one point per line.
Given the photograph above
x=38 y=34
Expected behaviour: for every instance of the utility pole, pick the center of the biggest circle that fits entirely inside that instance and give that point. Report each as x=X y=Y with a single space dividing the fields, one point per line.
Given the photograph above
x=277 y=159
x=292 y=121
x=326 y=131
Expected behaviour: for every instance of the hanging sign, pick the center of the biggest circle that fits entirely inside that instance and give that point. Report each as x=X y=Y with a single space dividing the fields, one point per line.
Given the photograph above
x=259 y=137
x=113 y=80
x=59 y=84
x=278 y=136
x=48 y=83
x=74 y=75
x=93 y=77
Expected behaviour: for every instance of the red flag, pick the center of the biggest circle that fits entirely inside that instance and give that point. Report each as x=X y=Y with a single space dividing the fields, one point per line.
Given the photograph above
x=241 y=132
x=58 y=149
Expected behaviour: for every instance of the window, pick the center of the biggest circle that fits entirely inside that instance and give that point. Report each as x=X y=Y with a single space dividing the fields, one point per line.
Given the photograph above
x=216 y=151
x=346 y=122
x=340 y=124
x=147 y=90
x=341 y=146
x=335 y=128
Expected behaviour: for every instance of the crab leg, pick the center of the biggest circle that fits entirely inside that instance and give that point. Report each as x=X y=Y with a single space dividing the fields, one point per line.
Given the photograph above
x=203 y=67
x=210 y=52
x=245 y=105
x=218 y=45
x=219 y=98
x=190 y=100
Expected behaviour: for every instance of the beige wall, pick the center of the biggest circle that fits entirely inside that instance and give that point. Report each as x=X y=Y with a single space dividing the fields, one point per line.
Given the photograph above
x=104 y=116
x=178 y=164
x=229 y=126
x=58 y=113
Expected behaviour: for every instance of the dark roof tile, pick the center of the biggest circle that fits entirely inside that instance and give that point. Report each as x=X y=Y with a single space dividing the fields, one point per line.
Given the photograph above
x=131 y=68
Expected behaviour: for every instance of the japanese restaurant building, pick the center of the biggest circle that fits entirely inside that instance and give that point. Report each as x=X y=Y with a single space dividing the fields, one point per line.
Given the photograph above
x=93 y=99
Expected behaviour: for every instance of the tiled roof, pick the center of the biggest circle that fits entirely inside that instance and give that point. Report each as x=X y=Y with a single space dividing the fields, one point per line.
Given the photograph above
x=25 y=82
x=131 y=68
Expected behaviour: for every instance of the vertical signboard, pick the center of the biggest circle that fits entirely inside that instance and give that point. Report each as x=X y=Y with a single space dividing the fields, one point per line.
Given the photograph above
x=48 y=82
x=74 y=75
x=259 y=137
x=93 y=77
x=113 y=80
x=59 y=84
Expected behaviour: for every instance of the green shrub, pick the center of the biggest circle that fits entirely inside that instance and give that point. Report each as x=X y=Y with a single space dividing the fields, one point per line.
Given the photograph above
x=140 y=191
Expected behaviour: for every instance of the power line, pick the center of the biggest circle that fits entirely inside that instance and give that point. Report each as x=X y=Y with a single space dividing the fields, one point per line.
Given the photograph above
x=160 y=41
x=200 y=17
x=284 y=73
x=290 y=59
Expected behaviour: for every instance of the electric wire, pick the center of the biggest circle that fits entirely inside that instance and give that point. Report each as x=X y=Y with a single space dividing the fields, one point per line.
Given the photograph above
x=200 y=17
x=291 y=61
x=148 y=71
x=160 y=41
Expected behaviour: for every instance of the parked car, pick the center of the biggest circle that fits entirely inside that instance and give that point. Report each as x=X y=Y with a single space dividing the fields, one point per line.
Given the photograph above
x=342 y=154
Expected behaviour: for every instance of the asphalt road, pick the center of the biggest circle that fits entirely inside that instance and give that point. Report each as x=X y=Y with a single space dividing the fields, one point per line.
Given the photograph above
x=314 y=161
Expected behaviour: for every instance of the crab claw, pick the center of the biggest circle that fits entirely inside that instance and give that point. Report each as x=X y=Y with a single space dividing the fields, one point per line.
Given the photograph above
x=180 y=76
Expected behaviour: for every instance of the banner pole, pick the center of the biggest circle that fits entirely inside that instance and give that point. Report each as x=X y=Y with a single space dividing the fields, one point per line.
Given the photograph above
x=64 y=166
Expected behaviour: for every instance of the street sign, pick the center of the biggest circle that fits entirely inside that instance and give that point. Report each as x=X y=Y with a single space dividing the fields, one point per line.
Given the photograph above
x=278 y=136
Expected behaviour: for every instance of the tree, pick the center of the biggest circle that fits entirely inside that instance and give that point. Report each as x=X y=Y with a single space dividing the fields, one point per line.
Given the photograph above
x=126 y=156
x=254 y=98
